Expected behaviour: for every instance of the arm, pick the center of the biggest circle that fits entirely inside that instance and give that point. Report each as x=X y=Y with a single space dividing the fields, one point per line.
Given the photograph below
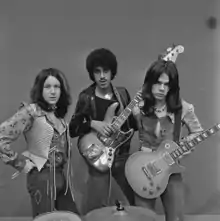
x=192 y=123
x=10 y=130
x=81 y=121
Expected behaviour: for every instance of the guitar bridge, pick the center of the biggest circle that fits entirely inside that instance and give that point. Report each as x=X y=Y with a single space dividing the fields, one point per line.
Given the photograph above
x=151 y=170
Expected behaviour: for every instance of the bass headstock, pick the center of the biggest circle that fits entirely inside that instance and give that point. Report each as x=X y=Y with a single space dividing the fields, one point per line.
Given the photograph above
x=172 y=53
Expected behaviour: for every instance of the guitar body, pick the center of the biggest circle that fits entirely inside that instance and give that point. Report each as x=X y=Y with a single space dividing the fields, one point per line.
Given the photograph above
x=148 y=172
x=99 y=151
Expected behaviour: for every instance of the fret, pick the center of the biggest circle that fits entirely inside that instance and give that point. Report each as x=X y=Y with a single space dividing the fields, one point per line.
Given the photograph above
x=119 y=121
x=136 y=101
x=191 y=144
x=115 y=128
x=199 y=139
x=211 y=130
x=205 y=135
x=180 y=150
x=184 y=148
x=188 y=145
x=122 y=117
x=172 y=155
x=177 y=152
x=116 y=123
x=127 y=111
x=195 y=141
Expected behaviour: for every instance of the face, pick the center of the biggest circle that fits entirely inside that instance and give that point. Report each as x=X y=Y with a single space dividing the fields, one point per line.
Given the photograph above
x=102 y=77
x=51 y=90
x=161 y=88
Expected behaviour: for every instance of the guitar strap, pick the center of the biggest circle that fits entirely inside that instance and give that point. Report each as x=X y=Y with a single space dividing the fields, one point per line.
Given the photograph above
x=119 y=98
x=177 y=126
x=117 y=94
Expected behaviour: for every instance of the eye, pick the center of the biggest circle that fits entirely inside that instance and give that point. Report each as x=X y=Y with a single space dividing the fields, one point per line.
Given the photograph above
x=46 y=86
x=106 y=70
x=96 y=71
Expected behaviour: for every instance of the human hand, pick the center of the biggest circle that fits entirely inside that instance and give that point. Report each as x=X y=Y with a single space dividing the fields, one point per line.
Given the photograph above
x=26 y=166
x=136 y=110
x=105 y=129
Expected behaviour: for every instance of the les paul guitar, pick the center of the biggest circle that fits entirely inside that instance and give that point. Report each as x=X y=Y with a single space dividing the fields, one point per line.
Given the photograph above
x=148 y=172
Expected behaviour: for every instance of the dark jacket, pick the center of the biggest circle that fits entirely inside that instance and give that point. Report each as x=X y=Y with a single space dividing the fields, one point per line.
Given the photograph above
x=86 y=111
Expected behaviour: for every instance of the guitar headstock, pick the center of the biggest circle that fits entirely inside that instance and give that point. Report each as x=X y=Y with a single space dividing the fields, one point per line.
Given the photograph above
x=172 y=53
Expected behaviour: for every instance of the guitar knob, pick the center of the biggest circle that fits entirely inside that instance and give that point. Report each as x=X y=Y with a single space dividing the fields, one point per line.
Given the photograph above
x=151 y=192
x=144 y=188
x=158 y=188
x=110 y=154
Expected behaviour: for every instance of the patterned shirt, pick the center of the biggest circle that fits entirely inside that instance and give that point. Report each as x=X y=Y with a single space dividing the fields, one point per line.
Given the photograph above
x=20 y=123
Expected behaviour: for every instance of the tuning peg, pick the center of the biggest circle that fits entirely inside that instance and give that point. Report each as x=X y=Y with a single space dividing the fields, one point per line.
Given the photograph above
x=169 y=49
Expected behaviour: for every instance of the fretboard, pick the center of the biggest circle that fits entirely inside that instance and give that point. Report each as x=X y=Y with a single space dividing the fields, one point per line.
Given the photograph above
x=119 y=121
x=186 y=146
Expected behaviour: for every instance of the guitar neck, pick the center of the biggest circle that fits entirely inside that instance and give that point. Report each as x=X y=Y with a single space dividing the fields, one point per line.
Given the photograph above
x=186 y=146
x=119 y=120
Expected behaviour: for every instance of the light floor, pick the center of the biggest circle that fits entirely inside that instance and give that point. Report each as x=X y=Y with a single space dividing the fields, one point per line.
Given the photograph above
x=159 y=218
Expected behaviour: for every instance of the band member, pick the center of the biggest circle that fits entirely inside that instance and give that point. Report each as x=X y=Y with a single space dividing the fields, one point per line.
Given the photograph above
x=155 y=119
x=89 y=114
x=48 y=144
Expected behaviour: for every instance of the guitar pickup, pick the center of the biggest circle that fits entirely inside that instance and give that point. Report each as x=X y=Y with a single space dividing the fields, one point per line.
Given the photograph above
x=153 y=169
x=146 y=173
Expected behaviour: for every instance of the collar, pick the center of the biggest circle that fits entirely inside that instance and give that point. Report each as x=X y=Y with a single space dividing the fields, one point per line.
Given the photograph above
x=40 y=113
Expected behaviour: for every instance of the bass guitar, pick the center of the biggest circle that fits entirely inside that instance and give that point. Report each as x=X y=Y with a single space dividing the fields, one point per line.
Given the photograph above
x=99 y=151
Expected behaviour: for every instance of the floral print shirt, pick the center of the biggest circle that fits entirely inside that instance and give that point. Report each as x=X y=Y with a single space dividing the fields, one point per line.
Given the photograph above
x=11 y=129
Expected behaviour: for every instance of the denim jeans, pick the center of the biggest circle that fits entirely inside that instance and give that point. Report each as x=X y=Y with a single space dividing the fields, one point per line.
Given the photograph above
x=96 y=194
x=172 y=199
x=38 y=188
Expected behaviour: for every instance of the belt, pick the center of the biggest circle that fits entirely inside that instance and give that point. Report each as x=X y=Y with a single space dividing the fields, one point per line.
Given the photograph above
x=56 y=158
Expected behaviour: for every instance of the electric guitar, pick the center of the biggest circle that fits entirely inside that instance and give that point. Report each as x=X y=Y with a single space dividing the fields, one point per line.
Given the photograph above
x=99 y=151
x=148 y=172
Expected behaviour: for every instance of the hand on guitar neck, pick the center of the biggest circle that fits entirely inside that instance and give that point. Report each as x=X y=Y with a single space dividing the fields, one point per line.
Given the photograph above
x=104 y=128
x=187 y=139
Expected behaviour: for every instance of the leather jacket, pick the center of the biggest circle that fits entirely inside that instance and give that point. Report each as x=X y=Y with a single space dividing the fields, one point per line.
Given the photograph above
x=86 y=111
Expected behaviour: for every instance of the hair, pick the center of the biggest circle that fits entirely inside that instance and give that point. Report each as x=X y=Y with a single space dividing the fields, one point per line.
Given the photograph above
x=173 y=100
x=101 y=58
x=37 y=91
